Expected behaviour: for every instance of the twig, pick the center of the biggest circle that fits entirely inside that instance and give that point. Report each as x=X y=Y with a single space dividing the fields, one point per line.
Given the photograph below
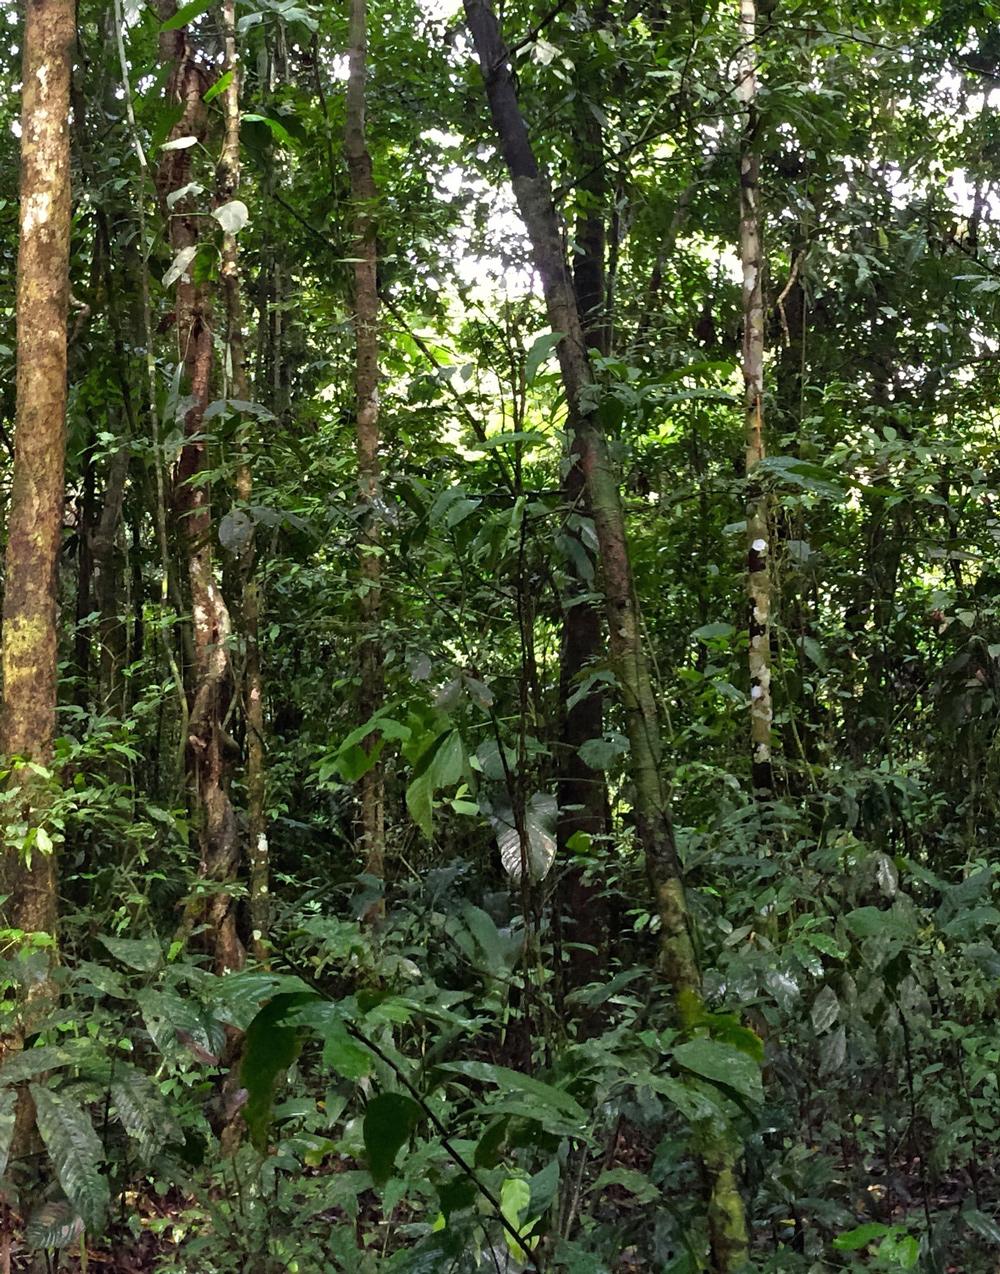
x=793 y=274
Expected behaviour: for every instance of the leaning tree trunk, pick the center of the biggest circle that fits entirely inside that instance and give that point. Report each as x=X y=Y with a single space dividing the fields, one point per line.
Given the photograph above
x=726 y=1221
x=228 y=184
x=36 y=506
x=363 y=196
x=758 y=538
x=206 y=741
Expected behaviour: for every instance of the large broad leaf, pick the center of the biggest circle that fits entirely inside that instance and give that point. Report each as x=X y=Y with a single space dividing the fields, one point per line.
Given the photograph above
x=75 y=1151
x=440 y=765
x=271 y=1046
x=142 y=954
x=53 y=1225
x=540 y=816
x=389 y=1120
x=722 y=1064
x=341 y=1052
x=141 y=1109
x=542 y=349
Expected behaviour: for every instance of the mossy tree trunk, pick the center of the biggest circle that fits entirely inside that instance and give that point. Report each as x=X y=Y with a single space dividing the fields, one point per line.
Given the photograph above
x=227 y=187
x=208 y=762
x=36 y=505
x=758 y=533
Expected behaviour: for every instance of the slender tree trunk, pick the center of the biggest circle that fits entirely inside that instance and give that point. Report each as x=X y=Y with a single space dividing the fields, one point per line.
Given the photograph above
x=726 y=1221
x=758 y=534
x=36 y=506
x=364 y=195
x=582 y=791
x=207 y=759
x=258 y=855
x=108 y=565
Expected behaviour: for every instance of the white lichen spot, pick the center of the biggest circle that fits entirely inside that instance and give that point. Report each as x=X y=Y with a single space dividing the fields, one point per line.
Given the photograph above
x=762 y=752
x=261 y=844
x=759 y=546
x=37 y=210
x=756 y=693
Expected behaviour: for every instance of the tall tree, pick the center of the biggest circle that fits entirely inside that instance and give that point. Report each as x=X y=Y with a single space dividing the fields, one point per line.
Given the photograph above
x=36 y=509
x=228 y=186
x=206 y=741
x=366 y=307
x=533 y=192
x=758 y=540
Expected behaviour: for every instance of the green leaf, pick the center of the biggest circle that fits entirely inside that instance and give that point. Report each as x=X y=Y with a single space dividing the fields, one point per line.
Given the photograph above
x=636 y=1183
x=220 y=86
x=142 y=954
x=712 y=632
x=541 y=351
x=985 y=1226
x=545 y=1096
x=141 y=1109
x=271 y=1046
x=278 y=130
x=825 y=1010
x=186 y=14
x=75 y=1151
x=722 y=1064
x=343 y=1054
x=544 y=1185
x=900 y=1250
x=852 y=1240
x=515 y=1199
x=598 y=754
x=389 y=1120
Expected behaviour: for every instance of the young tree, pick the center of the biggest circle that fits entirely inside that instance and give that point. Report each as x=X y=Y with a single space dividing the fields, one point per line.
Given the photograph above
x=228 y=185
x=366 y=306
x=758 y=542
x=727 y=1225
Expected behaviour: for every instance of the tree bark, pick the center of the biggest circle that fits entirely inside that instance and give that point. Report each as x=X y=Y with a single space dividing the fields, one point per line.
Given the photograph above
x=758 y=535
x=206 y=751
x=35 y=519
x=726 y=1221
x=364 y=195
x=583 y=799
x=228 y=185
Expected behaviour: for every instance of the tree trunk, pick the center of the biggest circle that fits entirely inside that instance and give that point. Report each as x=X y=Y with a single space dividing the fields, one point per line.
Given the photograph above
x=726 y=1222
x=582 y=791
x=206 y=751
x=758 y=535
x=36 y=506
x=364 y=195
x=258 y=855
